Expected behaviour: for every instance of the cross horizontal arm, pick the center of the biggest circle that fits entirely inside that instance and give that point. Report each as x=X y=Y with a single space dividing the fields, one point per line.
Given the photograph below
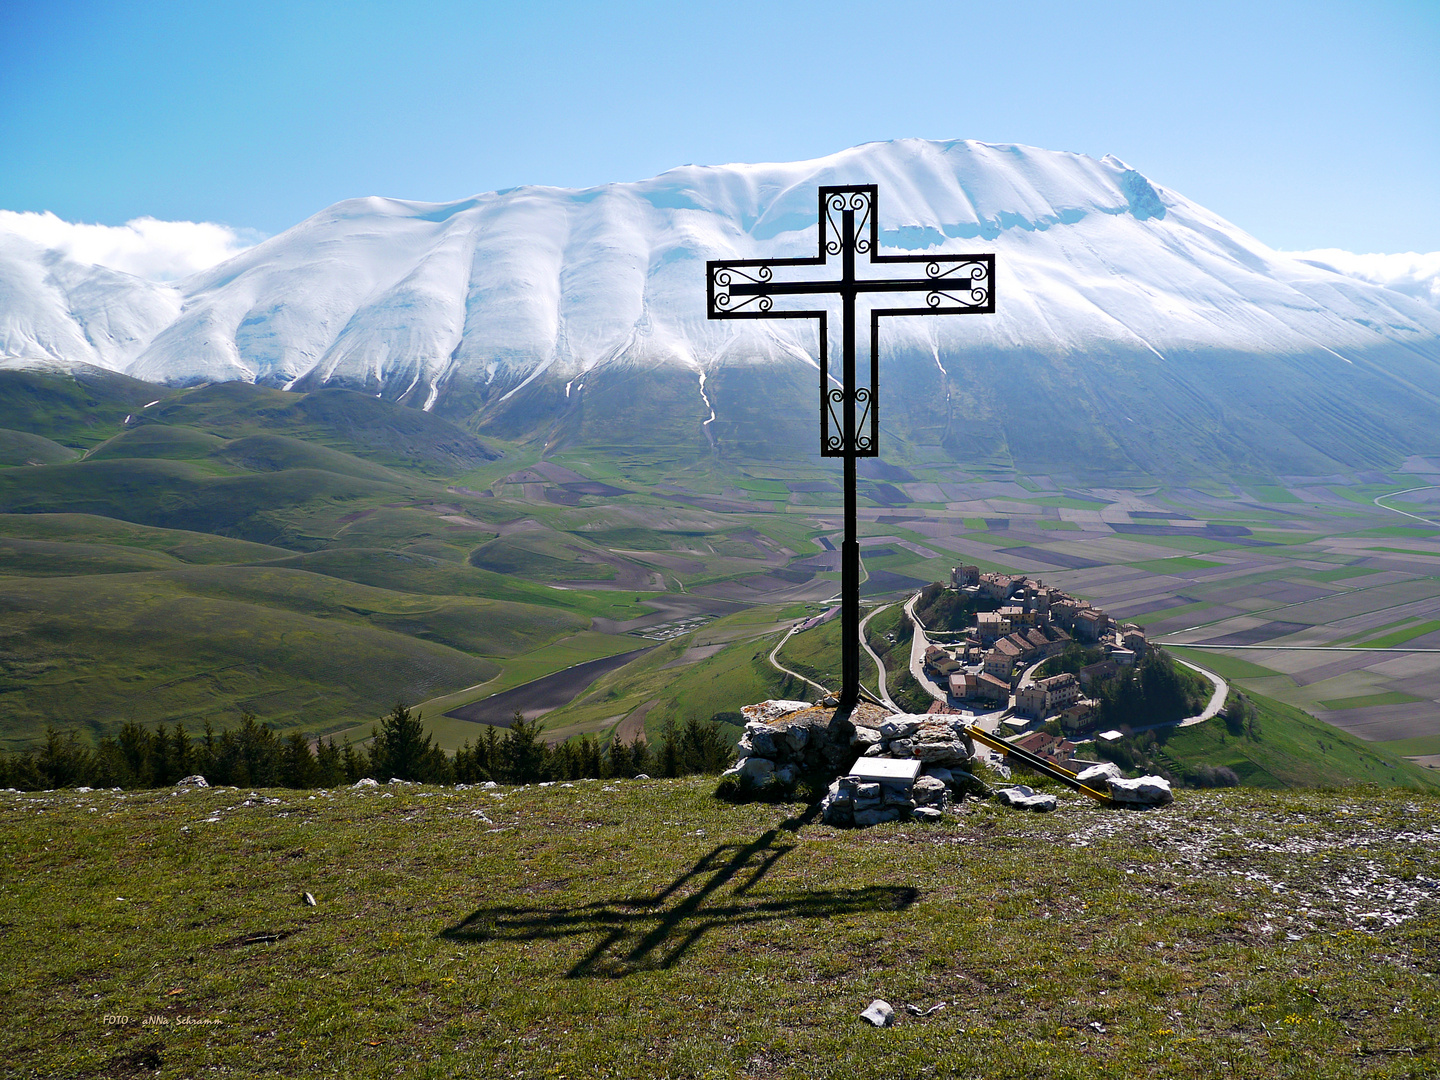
x=795 y=288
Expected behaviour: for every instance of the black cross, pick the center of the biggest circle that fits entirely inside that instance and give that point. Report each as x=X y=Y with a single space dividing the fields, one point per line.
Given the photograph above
x=747 y=289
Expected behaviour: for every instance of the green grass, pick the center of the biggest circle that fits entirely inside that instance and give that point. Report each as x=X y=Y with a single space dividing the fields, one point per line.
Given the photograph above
x=267 y=508
x=23 y=448
x=1416 y=747
x=186 y=546
x=78 y=411
x=1228 y=667
x=816 y=654
x=1407 y=551
x=651 y=930
x=1269 y=493
x=1399 y=637
x=1293 y=749
x=1363 y=701
x=1144 y=617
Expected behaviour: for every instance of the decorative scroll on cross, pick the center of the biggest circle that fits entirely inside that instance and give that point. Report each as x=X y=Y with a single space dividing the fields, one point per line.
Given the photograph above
x=849 y=405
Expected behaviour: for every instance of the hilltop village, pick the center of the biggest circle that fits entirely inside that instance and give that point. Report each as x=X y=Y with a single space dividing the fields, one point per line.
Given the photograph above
x=1028 y=623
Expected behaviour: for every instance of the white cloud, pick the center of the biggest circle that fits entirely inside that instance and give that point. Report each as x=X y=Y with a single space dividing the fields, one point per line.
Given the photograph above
x=145 y=247
x=1416 y=275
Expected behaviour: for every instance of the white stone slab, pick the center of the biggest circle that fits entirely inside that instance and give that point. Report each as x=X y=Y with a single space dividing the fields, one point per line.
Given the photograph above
x=891 y=769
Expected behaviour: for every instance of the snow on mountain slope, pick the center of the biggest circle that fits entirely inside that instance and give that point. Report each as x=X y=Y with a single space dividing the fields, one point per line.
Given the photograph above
x=388 y=294
x=52 y=307
x=1411 y=273
x=509 y=299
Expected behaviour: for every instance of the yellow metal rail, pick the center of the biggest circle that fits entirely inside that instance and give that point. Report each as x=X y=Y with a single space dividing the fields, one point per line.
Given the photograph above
x=1037 y=763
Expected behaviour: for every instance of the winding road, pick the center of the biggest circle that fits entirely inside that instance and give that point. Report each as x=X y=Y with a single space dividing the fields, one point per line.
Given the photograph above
x=879 y=666
x=775 y=662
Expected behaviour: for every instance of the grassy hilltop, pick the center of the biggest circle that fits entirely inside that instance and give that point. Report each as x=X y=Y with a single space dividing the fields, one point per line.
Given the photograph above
x=643 y=928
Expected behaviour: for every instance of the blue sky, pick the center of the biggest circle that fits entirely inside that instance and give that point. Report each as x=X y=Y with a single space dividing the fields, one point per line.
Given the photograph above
x=1310 y=123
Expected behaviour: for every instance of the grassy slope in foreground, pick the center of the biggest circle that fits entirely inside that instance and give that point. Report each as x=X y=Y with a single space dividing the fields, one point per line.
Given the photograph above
x=648 y=929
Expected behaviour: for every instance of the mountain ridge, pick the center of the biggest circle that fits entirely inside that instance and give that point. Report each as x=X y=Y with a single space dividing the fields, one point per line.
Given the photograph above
x=507 y=309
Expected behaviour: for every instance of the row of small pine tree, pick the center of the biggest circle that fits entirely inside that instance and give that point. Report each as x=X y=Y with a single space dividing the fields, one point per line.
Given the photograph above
x=253 y=755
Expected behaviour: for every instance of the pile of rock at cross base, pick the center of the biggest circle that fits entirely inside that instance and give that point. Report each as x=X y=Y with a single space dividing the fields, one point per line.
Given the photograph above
x=784 y=740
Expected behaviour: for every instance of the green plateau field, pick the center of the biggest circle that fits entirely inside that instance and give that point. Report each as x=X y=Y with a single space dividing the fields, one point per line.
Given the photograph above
x=190 y=555
x=645 y=928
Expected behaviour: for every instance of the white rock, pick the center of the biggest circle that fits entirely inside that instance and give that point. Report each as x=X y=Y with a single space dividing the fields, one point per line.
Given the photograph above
x=879 y=1013
x=308 y=899
x=760 y=738
x=939 y=772
x=929 y=790
x=926 y=813
x=366 y=781
x=864 y=736
x=1142 y=791
x=756 y=770
x=901 y=726
x=196 y=781
x=787 y=774
x=952 y=752
x=1023 y=797
x=1099 y=774
x=489 y=785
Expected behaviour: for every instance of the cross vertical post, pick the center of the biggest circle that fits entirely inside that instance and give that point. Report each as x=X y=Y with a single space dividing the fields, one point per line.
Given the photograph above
x=748 y=289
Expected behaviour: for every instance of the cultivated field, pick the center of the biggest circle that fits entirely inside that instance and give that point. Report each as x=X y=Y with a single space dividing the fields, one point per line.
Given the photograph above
x=312 y=558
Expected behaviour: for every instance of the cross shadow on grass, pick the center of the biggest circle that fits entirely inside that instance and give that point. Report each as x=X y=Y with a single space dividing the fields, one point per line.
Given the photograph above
x=642 y=933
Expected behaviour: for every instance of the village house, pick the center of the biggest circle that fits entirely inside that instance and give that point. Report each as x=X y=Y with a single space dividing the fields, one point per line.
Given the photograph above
x=1062 y=612
x=1090 y=624
x=940 y=661
x=1061 y=691
x=1134 y=639
x=989 y=626
x=989 y=688
x=1045 y=697
x=964 y=576
x=999 y=587
x=1081 y=716
x=1000 y=661
x=1017 y=616
x=1093 y=673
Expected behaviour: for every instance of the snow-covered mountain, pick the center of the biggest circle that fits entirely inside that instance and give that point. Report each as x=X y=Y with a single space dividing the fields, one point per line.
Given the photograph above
x=1125 y=312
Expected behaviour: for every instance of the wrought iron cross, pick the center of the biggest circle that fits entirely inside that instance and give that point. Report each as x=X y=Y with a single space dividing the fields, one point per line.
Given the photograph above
x=950 y=285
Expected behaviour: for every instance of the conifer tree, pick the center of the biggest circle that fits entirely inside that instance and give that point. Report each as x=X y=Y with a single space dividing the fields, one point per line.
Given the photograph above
x=401 y=747
x=619 y=763
x=182 y=751
x=523 y=753
x=328 y=763
x=298 y=768
x=356 y=763
x=669 y=761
